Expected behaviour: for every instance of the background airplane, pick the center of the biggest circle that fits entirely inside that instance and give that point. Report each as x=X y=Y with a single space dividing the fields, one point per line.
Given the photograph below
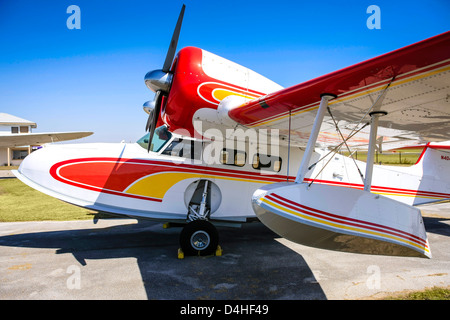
x=17 y=139
x=39 y=138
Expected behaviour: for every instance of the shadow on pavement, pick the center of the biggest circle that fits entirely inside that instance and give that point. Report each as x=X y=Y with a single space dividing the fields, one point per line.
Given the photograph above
x=253 y=265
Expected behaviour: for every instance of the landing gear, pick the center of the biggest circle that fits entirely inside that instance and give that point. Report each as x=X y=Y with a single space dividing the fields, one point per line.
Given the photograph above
x=199 y=237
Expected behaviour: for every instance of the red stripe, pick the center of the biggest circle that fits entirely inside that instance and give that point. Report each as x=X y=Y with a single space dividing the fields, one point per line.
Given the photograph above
x=400 y=191
x=98 y=189
x=354 y=222
x=169 y=166
x=113 y=176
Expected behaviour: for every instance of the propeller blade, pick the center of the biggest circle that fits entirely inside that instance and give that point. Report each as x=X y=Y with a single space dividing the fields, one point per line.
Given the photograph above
x=174 y=42
x=154 y=118
x=149 y=120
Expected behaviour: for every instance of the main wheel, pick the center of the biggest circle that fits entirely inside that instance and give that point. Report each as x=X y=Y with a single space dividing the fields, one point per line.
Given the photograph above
x=199 y=237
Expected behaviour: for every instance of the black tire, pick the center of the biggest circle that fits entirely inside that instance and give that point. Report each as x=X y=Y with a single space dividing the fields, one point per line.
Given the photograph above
x=199 y=237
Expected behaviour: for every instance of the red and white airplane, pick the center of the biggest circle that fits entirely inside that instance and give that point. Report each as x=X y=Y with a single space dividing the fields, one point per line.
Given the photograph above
x=228 y=146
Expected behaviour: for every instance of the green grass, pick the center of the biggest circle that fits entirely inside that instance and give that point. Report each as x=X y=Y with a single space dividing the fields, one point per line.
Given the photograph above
x=428 y=294
x=389 y=158
x=19 y=202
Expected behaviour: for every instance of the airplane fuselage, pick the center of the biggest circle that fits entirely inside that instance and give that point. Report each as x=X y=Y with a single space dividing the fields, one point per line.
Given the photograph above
x=124 y=178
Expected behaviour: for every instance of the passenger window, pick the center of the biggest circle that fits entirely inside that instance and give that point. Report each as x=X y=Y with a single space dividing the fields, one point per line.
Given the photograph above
x=266 y=162
x=233 y=157
x=174 y=148
x=184 y=148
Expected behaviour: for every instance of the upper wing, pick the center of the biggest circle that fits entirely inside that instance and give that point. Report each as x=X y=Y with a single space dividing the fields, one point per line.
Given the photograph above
x=26 y=139
x=411 y=84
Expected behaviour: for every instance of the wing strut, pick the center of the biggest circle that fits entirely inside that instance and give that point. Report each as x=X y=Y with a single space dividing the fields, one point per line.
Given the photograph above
x=324 y=98
x=372 y=145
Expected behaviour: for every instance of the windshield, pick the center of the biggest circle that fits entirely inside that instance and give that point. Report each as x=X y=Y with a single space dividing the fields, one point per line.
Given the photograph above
x=160 y=138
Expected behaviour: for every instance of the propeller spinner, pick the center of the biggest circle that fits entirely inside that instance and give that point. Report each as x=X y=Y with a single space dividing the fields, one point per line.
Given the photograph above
x=159 y=81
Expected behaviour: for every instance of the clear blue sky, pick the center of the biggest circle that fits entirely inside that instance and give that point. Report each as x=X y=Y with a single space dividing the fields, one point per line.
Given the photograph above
x=92 y=79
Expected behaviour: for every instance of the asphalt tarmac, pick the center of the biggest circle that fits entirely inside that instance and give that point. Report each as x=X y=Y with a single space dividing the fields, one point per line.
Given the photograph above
x=130 y=259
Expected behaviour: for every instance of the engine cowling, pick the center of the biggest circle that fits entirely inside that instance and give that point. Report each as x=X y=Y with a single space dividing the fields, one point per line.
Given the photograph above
x=200 y=82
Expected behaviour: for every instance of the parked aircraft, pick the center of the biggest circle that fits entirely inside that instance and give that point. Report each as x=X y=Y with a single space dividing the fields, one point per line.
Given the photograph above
x=227 y=146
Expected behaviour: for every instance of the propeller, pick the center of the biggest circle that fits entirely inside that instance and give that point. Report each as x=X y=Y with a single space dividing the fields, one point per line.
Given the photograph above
x=153 y=108
x=174 y=42
x=159 y=81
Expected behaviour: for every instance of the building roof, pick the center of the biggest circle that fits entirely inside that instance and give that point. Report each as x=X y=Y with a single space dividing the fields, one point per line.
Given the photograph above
x=10 y=120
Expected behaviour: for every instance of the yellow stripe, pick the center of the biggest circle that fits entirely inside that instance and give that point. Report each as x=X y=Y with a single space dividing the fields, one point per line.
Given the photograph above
x=158 y=184
x=221 y=94
x=335 y=225
x=409 y=195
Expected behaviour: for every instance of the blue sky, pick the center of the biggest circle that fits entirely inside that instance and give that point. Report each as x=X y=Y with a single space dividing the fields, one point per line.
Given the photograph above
x=91 y=79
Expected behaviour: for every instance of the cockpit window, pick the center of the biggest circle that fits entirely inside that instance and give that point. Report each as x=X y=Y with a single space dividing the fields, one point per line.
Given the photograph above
x=160 y=138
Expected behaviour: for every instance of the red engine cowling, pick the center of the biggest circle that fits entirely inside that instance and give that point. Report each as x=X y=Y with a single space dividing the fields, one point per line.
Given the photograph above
x=183 y=100
x=199 y=81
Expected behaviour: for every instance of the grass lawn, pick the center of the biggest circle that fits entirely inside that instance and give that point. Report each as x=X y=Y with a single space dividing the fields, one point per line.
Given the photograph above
x=429 y=294
x=19 y=202
x=389 y=158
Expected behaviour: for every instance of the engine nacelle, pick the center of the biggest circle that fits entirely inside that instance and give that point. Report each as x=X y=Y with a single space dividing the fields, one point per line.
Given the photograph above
x=201 y=80
x=158 y=80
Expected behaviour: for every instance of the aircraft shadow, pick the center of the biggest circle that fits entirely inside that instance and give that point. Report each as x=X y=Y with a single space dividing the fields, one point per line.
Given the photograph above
x=437 y=225
x=253 y=265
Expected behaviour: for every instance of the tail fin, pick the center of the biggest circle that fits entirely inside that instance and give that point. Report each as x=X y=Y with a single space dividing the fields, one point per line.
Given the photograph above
x=435 y=153
x=435 y=165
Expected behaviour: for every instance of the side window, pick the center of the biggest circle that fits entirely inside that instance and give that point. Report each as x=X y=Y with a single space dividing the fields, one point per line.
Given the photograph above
x=160 y=138
x=266 y=162
x=233 y=157
x=176 y=149
x=184 y=148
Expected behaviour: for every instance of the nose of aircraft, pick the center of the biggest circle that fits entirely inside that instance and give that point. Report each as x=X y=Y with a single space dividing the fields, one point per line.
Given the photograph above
x=40 y=170
x=35 y=168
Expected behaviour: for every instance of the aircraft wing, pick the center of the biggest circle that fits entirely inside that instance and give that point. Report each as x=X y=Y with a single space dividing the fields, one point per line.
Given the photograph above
x=411 y=84
x=26 y=139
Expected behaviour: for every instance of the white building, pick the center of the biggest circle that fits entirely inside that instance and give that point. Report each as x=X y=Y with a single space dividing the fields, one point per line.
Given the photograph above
x=17 y=141
x=12 y=125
